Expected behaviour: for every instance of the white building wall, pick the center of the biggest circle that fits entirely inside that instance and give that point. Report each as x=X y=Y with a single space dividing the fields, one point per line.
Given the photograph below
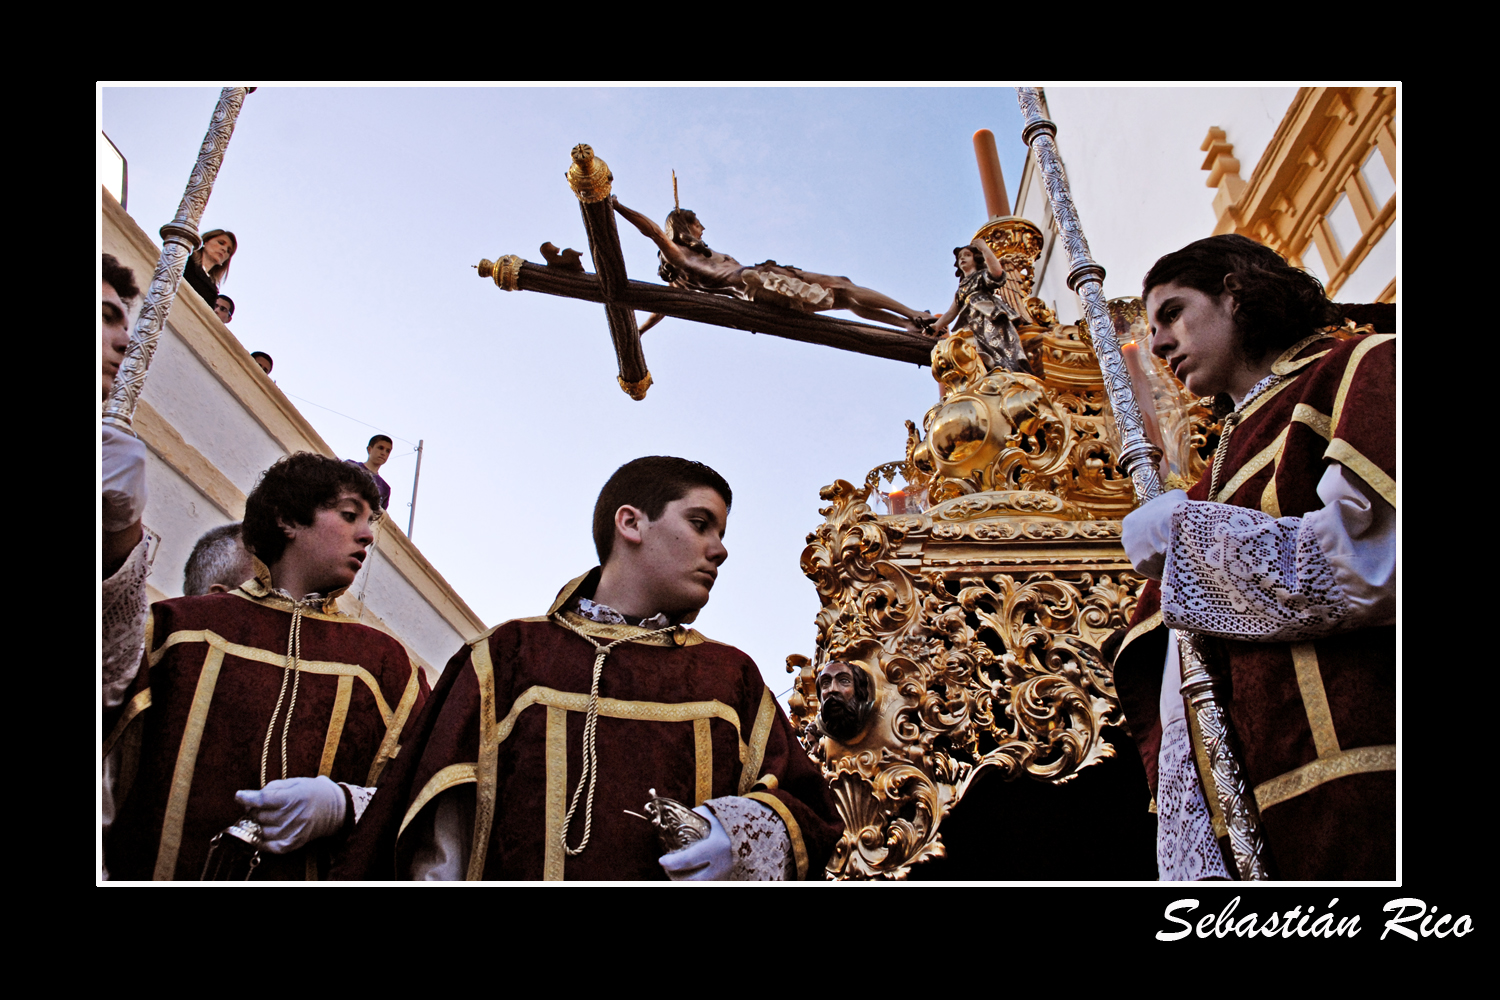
x=389 y=594
x=1135 y=169
x=178 y=512
x=207 y=415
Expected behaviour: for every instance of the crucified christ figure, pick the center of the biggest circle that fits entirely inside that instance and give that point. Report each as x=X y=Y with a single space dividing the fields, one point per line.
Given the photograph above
x=687 y=262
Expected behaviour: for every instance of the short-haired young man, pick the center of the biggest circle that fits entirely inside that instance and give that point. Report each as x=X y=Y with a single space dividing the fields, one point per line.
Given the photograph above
x=544 y=731
x=224 y=308
x=379 y=452
x=218 y=563
x=263 y=702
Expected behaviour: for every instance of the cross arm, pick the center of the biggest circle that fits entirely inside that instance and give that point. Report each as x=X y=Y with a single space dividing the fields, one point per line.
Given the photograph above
x=514 y=274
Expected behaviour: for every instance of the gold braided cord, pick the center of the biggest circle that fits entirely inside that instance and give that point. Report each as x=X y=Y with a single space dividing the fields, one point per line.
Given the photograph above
x=293 y=662
x=590 y=736
x=1230 y=420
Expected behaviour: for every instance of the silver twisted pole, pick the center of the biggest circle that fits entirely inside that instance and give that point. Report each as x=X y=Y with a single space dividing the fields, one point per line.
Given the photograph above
x=179 y=240
x=1139 y=457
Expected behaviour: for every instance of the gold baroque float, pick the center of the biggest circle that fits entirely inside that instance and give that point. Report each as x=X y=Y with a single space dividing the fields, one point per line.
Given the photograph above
x=978 y=619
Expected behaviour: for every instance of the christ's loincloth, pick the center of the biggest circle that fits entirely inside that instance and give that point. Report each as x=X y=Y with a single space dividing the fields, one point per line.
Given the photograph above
x=774 y=284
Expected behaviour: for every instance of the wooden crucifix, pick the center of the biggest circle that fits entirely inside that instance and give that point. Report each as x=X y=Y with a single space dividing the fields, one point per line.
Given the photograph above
x=716 y=289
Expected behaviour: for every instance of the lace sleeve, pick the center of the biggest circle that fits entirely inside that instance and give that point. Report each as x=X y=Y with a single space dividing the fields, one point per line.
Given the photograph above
x=124 y=619
x=359 y=797
x=762 y=847
x=1240 y=573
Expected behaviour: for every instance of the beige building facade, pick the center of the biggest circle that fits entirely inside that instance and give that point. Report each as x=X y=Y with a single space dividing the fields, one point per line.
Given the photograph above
x=1309 y=171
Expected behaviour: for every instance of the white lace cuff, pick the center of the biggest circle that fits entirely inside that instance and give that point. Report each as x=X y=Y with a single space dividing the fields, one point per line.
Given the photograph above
x=1236 y=572
x=124 y=618
x=762 y=848
x=360 y=795
x=1186 y=849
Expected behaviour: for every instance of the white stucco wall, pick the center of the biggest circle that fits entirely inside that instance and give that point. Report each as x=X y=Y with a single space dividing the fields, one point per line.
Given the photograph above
x=1135 y=169
x=387 y=593
x=207 y=415
x=178 y=512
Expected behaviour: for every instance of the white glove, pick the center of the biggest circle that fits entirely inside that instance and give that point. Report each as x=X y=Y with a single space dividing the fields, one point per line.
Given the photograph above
x=1147 y=532
x=124 y=481
x=294 y=812
x=708 y=860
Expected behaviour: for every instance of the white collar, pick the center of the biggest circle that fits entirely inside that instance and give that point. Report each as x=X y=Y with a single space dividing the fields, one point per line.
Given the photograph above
x=606 y=615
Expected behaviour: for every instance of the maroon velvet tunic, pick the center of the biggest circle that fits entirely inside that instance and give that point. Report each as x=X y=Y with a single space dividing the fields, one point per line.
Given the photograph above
x=193 y=724
x=1317 y=719
x=679 y=713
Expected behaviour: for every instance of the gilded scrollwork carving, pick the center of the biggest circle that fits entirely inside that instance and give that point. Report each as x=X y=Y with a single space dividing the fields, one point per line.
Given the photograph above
x=971 y=670
x=979 y=617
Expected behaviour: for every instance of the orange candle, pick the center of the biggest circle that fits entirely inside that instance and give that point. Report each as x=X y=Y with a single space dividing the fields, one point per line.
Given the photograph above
x=990 y=179
x=1131 y=351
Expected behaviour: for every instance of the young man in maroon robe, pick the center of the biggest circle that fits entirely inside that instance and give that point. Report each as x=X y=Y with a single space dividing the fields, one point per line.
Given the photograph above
x=265 y=701
x=1286 y=552
x=543 y=732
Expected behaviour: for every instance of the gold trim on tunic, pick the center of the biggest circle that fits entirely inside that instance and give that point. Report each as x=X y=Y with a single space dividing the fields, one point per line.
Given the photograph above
x=764 y=716
x=615 y=708
x=1314 y=698
x=1370 y=342
x=449 y=777
x=1269 y=503
x=681 y=635
x=554 y=856
x=1265 y=398
x=1374 y=476
x=1321 y=423
x=558 y=703
x=1262 y=459
x=187 y=760
x=703 y=755
x=389 y=748
x=1139 y=629
x=278 y=660
x=489 y=759
x=336 y=724
x=1283 y=365
x=566 y=593
x=1360 y=760
x=493 y=732
x=138 y=704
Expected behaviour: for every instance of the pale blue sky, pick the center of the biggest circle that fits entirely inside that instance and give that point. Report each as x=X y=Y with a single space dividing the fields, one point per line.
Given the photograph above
x=359 y=211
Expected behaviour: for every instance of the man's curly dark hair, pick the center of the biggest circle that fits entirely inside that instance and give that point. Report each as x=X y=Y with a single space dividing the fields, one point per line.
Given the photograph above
x=294 y=490
x=120 y=277
x=1276 y=304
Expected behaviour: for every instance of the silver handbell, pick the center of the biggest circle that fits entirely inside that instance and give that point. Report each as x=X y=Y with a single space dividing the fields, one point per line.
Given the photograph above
x=677 y=826
x=234 y=853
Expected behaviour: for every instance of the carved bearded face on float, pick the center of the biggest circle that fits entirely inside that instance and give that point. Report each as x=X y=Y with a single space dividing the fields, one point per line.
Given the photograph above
x=845 y=698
